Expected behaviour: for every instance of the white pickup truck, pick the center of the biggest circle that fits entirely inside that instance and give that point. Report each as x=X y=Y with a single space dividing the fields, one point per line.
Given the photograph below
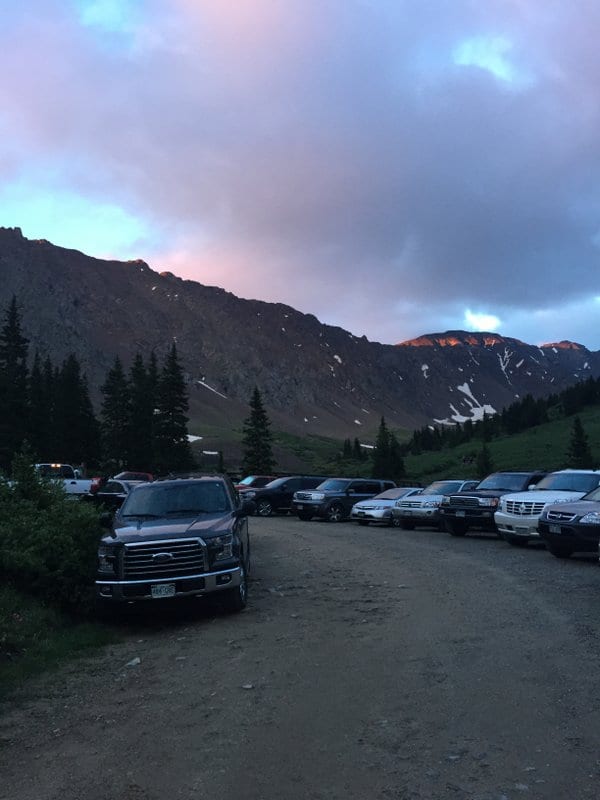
x=71 y=478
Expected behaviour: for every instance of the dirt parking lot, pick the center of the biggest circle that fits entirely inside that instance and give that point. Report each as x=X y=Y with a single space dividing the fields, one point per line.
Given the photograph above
x=370 y=663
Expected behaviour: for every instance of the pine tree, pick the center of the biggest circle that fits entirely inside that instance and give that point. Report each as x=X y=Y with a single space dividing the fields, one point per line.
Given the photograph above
x=381 y=455
x=257 y=439
x=75 y=425
x=172 y=448
x=115 y=417
x=13 y=386
x=579 y=454
x=141 y=423
x=397 y=469
x=484 y=462
x=40 y=419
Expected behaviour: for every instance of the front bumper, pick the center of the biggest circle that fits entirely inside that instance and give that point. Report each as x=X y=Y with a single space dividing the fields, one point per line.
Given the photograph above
x=580 y=538
x=524 y=527
x=426 y=515
x=192 y=585
x=371 y=515
x=478 y=517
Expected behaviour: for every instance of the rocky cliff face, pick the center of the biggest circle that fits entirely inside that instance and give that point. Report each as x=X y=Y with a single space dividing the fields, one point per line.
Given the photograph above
x=314 y=378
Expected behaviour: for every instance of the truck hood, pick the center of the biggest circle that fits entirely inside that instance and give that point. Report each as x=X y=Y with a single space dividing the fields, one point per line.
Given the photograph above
x=148 y=530
x=543 y=496
x=580 y=508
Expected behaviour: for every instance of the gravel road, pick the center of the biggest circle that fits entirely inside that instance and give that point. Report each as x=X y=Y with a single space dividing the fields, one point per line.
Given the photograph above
x=370 y=663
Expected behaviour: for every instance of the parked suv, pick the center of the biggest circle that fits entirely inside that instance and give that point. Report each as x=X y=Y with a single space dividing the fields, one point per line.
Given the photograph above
x=572 y=527
x=276 y=497
x=176 y=538
x=518 y=514
x=475 y=507
x=424 y=509
x=334 y=498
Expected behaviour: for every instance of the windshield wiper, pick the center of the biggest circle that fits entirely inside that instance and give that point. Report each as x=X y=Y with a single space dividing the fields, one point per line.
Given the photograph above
x=142 y=516
x=186 y=511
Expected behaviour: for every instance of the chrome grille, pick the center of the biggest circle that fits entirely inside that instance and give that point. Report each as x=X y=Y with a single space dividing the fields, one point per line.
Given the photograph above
x=524 y=508
x=561 y=516
x=408 y=504
x=304 y=496
x=174 y=558
x=470 y=502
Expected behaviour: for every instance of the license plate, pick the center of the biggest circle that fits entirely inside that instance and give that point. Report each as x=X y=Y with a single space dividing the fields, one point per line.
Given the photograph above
x=461 y=513
x=361 y=513
x=407 y=513
x=554 y=528
x=163 y=590
x=299 y=507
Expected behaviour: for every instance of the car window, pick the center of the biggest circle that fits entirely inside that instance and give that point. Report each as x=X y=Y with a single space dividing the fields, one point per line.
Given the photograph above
x=334 y=485
x=569 y=482
x=203 y=497
x=507 y=481
x=364 y=487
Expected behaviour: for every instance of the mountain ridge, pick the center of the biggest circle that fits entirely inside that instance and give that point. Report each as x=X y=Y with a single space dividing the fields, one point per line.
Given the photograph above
x=314 y=378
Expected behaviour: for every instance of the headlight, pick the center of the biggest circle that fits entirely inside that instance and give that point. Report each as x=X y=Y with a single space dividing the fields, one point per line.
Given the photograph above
x=223 y=545
x=318 y=496
x=378 y=508
x=593 y=518
x=488 y=501
x=432 y=504
x=248 y=495
x=107 y=559
x=446 y=501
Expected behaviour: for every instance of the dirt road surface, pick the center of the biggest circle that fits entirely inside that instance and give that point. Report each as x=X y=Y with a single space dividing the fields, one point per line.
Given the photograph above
x=370 y=663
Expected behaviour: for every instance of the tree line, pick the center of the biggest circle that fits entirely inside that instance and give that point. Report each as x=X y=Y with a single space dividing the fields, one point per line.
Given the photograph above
x=142 y=422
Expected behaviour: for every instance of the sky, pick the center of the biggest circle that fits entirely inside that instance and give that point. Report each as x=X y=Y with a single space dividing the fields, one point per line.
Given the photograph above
x=395 y=167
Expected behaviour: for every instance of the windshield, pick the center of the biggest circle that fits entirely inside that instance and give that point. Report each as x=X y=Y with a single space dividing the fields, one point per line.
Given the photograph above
x=206 y=497
x=333 y=485
x=443 y=487
x=392 y=494
x=569 y=482
x=55 y=471
x=509 y=481
x=247 y=480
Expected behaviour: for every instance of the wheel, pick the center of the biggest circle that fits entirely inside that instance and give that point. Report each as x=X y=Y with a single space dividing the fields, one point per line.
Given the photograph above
x=516 y=541
x=406 y=525
x=560 y=551
x=236 y=599
x=363 y=522
x=303 y=515
x=395 y=522
x=456 y=527
x=264 y=508
x=335 y=513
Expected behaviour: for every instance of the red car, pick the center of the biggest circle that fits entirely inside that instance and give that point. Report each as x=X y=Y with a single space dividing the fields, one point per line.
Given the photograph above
x=254 y=482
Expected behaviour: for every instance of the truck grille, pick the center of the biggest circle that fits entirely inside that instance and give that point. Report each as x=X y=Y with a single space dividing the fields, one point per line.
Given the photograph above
x=173 y=558
x=469 y=502
x=561 y=516
x=524 y=509
x=304 y=496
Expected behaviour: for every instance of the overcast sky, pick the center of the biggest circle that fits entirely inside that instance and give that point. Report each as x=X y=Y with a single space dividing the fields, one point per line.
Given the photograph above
x=395 y=167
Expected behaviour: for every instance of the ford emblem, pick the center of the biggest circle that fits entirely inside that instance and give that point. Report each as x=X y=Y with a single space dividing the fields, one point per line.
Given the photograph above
x=162 y=557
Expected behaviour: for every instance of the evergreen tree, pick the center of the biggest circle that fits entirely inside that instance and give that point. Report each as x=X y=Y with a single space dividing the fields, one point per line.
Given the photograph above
x=75 y=425
x=397 y=470
x=484 y=462
x=579 y=454
x=172 y=448
x=257 y=439
x=141 y=424
x=115 y=417
x=357 y=450
x=381 y=455
x=13 y=386
x=40 y=419
x=347 y=450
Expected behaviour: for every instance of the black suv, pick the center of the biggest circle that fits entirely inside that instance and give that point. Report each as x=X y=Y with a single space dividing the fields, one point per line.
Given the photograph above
x=176 y=538
x=476 y=507
x=334 y=498
x=276 y=497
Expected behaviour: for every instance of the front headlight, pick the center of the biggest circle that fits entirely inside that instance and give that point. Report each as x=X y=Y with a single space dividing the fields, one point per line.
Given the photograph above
x=318 y=496
x=107 y=559
x=432 y=504
x=488 y=501
x=593 y=518
x=248 y=495
x=223 y=545
x=446 y=501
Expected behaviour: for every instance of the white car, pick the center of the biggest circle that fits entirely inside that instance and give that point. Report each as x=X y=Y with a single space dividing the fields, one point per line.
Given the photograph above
x=518 y=514
x=379 y=508
x=425 y=509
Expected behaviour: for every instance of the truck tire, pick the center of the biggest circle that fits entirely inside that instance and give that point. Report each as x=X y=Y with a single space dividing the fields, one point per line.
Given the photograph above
x=335 y=513
x=456 y=527
x=264 y=508
x=236 y=599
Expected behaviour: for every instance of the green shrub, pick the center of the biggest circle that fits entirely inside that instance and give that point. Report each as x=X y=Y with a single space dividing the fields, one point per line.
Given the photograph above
x=48 y=541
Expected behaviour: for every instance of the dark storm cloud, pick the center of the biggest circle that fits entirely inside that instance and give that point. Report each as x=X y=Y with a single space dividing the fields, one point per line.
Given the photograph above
x=386 y=166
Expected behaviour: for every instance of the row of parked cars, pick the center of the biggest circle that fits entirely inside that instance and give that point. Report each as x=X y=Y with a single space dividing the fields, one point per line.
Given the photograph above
x=561 y=509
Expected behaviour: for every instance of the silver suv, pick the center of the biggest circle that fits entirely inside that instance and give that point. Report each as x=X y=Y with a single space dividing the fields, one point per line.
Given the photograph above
x=425 y=508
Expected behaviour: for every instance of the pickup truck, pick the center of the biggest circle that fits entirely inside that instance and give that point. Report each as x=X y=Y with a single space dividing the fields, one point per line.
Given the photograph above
x=71 y=478
x=475 y=507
